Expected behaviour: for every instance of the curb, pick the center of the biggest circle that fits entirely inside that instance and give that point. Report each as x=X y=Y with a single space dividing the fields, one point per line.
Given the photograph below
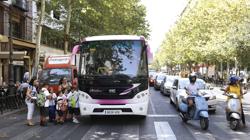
x=12 y=112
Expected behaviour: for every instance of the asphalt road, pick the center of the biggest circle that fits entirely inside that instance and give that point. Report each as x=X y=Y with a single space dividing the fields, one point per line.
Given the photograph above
x=162 y=123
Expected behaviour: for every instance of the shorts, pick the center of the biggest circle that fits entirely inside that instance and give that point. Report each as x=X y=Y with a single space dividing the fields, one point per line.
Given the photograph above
x=75 y=111
x=44 y=111
x=60 y=113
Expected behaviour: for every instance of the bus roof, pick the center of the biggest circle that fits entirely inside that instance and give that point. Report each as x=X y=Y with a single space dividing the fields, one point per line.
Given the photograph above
x=114 y=37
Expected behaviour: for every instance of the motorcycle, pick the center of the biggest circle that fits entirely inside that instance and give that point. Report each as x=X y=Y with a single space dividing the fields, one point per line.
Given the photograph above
x=233 y=110
x=199 y=111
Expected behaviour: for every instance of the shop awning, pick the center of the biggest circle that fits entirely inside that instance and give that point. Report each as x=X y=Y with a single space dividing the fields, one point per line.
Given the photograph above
x=16 y=55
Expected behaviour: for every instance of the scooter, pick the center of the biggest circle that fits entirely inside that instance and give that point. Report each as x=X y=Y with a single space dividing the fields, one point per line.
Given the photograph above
x=233 y=110
x=198 y=112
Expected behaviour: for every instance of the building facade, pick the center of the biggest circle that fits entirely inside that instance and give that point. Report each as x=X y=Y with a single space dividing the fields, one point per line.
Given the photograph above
x=22 y=34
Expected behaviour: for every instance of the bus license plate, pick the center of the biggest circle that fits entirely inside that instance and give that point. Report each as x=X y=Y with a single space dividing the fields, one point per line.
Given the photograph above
x=112 y=112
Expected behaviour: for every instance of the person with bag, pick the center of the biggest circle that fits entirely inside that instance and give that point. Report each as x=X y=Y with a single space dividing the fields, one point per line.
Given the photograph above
x=30 y=100
x=61 y=108
x=73 y=101
x=43 y=103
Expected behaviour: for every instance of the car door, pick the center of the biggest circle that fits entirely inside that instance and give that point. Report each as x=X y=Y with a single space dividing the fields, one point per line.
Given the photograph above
x=174 y=90
x=162 y=84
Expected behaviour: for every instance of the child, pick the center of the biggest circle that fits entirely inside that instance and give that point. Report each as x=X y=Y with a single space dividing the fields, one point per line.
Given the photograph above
x=61 y=108
x=73 y=98
x=43 y=103
x=52 y=106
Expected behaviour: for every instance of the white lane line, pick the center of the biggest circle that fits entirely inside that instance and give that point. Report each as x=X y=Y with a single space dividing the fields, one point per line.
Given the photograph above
x=164 y=131
x=162 y=115
x=152 y=106
x=130 y=132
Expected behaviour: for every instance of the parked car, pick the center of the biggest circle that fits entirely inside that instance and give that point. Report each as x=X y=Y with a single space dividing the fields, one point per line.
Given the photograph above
x=166 y=84
x=178 y=92
x=158 y=79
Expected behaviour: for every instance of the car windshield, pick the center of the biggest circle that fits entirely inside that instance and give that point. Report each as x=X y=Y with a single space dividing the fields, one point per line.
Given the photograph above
x=170 y=79
x=52 y=76
x=185 y=82
x=160 y=77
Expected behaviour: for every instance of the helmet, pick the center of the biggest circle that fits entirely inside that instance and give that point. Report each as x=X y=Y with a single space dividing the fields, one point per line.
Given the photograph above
x=192 y=78
x=233 y=79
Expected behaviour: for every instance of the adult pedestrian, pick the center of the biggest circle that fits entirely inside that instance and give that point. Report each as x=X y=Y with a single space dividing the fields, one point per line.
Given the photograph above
x=31 y=96
x=64 y=86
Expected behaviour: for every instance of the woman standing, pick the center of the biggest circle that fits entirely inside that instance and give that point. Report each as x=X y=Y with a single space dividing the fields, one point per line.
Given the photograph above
x=64 y=86
x=30 y=99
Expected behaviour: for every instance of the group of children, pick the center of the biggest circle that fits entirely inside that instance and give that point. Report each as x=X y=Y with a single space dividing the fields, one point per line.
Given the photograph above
x=58 y=107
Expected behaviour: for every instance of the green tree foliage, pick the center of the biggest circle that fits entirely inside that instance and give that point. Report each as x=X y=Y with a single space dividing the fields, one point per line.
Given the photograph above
x=102 y=17
x=209 y=31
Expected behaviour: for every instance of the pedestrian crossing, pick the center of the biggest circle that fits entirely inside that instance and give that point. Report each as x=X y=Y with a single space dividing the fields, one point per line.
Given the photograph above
x=156 y=129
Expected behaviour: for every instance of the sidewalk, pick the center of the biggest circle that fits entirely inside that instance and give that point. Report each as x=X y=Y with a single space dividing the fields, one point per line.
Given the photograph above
x=10 y=112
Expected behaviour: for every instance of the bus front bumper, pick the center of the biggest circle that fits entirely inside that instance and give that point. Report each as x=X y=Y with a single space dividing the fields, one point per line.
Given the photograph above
x=126 y=109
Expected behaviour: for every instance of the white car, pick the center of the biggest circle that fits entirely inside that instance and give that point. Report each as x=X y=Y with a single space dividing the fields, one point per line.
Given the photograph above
x=178 y=92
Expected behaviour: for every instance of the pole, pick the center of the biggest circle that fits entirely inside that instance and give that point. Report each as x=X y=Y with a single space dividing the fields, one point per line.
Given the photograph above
x=11 y=84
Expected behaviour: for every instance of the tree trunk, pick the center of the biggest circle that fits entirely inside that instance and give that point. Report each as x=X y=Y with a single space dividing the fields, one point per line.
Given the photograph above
x=38 y=38
x=67 y=27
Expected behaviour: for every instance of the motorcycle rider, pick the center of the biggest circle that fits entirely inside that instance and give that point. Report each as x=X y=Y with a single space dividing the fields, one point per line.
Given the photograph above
x=234 y=87
x=192 y=89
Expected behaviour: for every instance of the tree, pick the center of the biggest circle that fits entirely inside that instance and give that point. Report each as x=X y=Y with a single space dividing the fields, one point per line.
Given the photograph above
x=67 y=26
x=38 y=37
x=209 y=32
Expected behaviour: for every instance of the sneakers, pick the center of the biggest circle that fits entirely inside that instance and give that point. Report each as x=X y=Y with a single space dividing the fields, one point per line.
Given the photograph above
x=75 y=121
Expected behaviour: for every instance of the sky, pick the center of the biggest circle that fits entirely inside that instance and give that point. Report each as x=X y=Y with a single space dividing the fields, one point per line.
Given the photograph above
x=162 y=14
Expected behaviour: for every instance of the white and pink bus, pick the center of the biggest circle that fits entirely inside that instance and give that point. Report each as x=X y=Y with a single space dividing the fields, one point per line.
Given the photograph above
x=113 y=75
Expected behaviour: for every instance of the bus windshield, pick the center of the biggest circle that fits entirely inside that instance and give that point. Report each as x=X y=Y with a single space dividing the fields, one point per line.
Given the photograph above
x=52 y=76
x=113 y=57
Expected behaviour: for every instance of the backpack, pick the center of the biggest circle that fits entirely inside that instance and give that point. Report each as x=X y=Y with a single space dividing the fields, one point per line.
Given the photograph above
x=73 y=101
x=41 y=98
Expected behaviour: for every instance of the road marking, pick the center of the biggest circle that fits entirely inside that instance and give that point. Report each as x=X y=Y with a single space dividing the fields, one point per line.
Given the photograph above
x=92 y=133
x=164 y=131
x=152 y=106
x=130 y=132
x=29 y=133
x=62 y=132
x=162 y=115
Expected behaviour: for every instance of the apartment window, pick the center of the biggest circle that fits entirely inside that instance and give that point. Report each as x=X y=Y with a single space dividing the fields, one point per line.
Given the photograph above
x=17 y=27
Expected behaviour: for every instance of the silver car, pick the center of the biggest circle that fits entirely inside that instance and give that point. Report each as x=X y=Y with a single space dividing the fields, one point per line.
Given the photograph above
x=158 y=79
x=167 y=83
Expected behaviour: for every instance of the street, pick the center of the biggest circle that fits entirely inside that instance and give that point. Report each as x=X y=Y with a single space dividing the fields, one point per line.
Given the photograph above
x=162 y=122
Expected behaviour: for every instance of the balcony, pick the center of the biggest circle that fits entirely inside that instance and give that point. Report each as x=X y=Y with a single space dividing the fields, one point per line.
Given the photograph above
x=21 y=4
